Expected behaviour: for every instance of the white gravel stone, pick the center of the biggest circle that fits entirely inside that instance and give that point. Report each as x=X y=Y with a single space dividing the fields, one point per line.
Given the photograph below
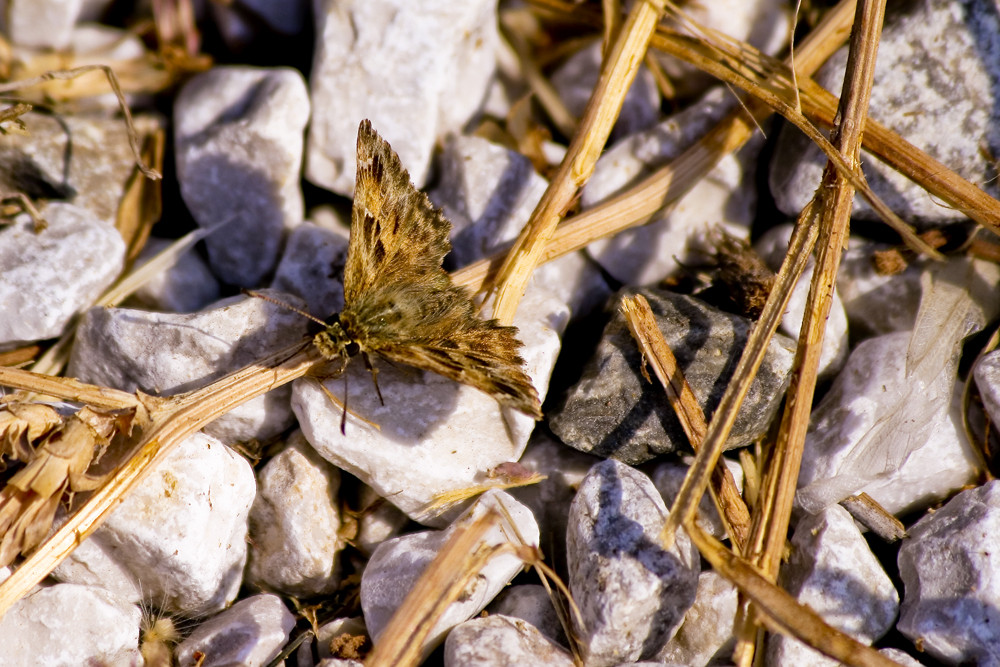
x=576 y=78
x=47 y=277
x=987 y=373
x=354 y=626
x=184 y=287
x=948 y=566
x=501 y=641
x=726 y=196
x=488 y=192
x=435 y=434
x=876 y=304
x=632 y=593
x=708 y=627
x=380 y=520
x=530 y=603
x=855 y=443
x=165 y=353
x=294 y=523
x=397 y=564
x=251 y=633
x=179 y=539
x=834 y=572
x=773 y=246
x=68 y=625
x=41 y=23
x=239 y=139
x=418 y=70
x=312 y=268
x=668 y=477
x=935 y=85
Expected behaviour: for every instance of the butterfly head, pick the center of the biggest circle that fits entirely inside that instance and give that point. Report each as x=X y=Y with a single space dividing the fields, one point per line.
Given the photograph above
x=334 y=342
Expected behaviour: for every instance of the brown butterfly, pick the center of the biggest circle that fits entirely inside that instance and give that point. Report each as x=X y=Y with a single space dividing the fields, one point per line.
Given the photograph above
x=400 y=304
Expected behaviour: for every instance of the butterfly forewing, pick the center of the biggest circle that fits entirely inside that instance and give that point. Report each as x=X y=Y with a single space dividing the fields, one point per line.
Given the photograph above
x=400 y=303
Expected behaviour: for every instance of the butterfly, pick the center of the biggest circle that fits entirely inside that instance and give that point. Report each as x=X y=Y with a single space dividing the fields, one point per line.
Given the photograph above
x=399 y=304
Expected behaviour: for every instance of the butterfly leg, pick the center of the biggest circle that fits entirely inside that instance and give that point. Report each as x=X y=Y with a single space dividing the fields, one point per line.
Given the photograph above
x=343 y=415
x=374 y=371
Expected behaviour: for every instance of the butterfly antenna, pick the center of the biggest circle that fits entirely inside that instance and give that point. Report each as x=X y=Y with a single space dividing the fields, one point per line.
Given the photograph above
x=374 y=371
x=286 y=306
x=343 y=415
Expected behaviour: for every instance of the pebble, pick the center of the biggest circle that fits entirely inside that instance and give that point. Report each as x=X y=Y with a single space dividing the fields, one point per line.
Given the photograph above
x=948 y=566
x=886 y=433
x=240 y=24
x=44 y=24
x=251 y=633
x=312 y=268
x=433 y=435
x=575 y=79
x=239 y=142
x=397 y=564
x=295 y=523
x=417 y=70
x=668 y=477
x=632 y=593
x=184 y=287
x=166 y=353
x=83 y=159
x=707 y=630
x=489 y=192
x=380 y=520
x=47 y=277
x=68 y=625
x=834 y=572
x=532 y=604
x=876 y=304
x=189 y=559
x=726 y=196
x=501 y=641
x=613 y=411
x=322 y=644
x=935 y=86
x=987 y=374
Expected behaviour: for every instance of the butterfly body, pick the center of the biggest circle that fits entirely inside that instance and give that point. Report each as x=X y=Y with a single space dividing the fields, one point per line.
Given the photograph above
x=400 y=304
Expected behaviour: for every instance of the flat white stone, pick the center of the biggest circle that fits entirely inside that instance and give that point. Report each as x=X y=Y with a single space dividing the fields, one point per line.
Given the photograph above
x=935 y=86
x=987 y=373
x=501 y=641
x=631 y=592
x=834 y=572
x=178 y=539
x=68 y=625
x=239 y=141
x=41 y=23
x=726 y=196
x=948 y=566
x=184 y=287
x=47 y=277
x=294 y=523
x=418 y=70
x=251 y=633
x=488 y=192
x=433 y=434
x=165 y=353
x=312 y=268
x=708 y=627
x=396 y=565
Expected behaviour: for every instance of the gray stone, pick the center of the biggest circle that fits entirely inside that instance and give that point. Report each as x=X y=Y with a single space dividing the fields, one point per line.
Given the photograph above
x=396 y=565
x=632 y=593
x=431 y=62
x=83 y=159
x=668 y=477
x=935 y=85
x=184 y=287
x=295 y=523
x=488 y=192
x=312 y=268
x=251 y=633
x=613 y=412
x=987 y=373
x=432 y=435
x=239 y=138
x=948 y=566
x=708 y=627
x=179 y=539
x=501 y=641
x=69 y=625
x=47 y=277
x=164 y=353
x=726 y=196
x=834 y=572
x=530 y=603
